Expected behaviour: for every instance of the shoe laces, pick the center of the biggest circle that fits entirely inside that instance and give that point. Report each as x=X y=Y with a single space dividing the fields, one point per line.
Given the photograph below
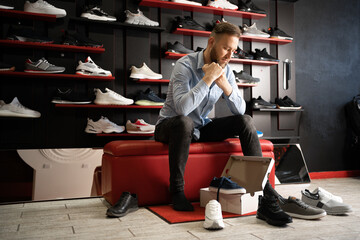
x=272 y=203
x=45 y=61
x=100 y=10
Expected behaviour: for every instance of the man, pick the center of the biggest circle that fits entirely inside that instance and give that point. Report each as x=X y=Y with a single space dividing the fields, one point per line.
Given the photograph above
x=197 y=82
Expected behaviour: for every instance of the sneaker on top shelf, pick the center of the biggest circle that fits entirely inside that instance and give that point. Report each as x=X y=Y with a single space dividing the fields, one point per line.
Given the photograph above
x=103 y=125
x=91 y=69
x=225 y=185
x=4 y=67
x=68 y=96
x=187 y=2
x=42 y=66
x=178 y=47
x=278 y=33
x=213 y=216
x=249 y=6
x=144 y=72
x=96 y=13
x=41 y=6
x=326 y=202
x=148 y=98
x=16 y=109
x=110 y=97
x=253 y=31
x=139 y=19
x=187 y=23
x=224 y=4
x=139 y=127
x=243 y=77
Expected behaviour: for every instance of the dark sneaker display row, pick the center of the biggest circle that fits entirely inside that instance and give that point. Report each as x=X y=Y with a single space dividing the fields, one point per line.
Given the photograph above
x=188 y=23
x=287 y=103
x=243 y=77
x=259 y=103
x=178 y=47
x=77 y=39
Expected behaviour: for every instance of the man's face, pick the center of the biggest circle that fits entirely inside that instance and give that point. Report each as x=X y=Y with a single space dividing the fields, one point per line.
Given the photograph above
x=223 y=48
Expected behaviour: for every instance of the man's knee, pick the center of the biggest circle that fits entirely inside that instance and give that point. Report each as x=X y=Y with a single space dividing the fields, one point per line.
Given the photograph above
x=246 y=120
x=183 y=123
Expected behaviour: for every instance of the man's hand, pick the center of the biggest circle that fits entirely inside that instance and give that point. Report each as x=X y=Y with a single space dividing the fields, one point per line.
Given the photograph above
x=212 y=72
x=224 y=84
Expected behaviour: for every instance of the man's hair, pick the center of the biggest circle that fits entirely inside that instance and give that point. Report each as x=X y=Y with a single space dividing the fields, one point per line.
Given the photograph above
x=225 y=28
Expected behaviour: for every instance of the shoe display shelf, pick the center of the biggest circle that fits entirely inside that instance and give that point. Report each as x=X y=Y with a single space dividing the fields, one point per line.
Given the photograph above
x=278 y=110
x=202 y=9
x=145 y=80
x=27 y=15
x=124 y=135
x=190 y=32
x=244 y=85
x=119 y=24
x=106 y=106
x=49 y=46
x=171 y=55
x=54 y=76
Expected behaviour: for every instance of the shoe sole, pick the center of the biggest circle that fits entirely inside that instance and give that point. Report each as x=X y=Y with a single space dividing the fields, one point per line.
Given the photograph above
x=43 y=71
x=139 y=132
x=25 y=39
x=213 y=224
x=94 y=17
x=256 y=35
x=307 y=217
x=228 y=191
x=148 y=103
x=11 y=69
x=270 y=221
x=110 y=214
x=14 y=114
x=142 y=76
x=87 y=73
x=69 y=102
x=136 y=22
x=281 y=37
x=111 y=103
x=6 y=7
x=267 y=59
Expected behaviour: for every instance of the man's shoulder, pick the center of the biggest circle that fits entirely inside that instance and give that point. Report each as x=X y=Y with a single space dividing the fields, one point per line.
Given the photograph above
x=189 y=60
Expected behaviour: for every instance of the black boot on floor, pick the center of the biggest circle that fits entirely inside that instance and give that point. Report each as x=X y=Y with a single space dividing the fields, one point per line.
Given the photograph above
x=126 y=204
x=180 y=202
x=270 y=211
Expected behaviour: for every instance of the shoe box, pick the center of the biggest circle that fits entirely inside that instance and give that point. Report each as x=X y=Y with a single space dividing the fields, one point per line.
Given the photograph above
x=249 y=172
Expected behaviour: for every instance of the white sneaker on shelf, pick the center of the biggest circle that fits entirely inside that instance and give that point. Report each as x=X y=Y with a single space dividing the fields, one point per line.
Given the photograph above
x=110 y=98
x=144 y=72
x=187 y=2
x=224 y=4
x=213 y=216
x=139 y=19
x=91 y=69
x=253 y=31
x=103 y=125
x=42 y=6
x=139 y=127
x=16 y=109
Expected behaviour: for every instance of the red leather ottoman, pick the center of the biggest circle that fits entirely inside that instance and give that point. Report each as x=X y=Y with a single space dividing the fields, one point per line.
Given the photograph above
x=142 y=167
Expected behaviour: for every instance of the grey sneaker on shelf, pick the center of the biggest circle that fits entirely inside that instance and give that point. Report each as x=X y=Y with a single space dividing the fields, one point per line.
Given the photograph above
x=42 y=66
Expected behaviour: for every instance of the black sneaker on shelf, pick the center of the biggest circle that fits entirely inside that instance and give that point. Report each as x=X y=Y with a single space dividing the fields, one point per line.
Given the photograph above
x=26 y=35
x=249 y=6
x=178 y=47
x=243 y=77
x=127 y=203
x=188 y=23
x=286 y=103
x=264 y=56
x=4 y=67
x=278 y=33
x=6 y=4
x=96 y=13
x=68 y=96
x=77 y=39
x=239 y=53
x=260 y=103
x=148 y=98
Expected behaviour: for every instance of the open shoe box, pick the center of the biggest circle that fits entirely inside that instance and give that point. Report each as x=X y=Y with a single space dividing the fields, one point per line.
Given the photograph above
x=249 y=172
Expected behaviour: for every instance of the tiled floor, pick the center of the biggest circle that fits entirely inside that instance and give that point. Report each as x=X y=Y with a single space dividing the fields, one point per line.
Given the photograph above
x=85 y=219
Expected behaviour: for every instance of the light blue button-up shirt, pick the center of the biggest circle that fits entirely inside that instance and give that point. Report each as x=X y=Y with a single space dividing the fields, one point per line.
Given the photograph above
x=189 y=95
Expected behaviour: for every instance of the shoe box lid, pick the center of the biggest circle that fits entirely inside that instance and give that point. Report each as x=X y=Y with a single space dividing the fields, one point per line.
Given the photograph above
x=249 y=172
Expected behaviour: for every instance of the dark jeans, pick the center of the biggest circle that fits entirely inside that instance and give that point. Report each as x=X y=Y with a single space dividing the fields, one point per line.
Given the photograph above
x=178 y=133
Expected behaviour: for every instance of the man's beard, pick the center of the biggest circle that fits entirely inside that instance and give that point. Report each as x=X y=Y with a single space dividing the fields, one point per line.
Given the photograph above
x=214 y=57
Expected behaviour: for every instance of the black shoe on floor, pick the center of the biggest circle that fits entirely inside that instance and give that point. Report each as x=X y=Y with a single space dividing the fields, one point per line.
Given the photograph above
x=178 y=47
x=77 y=39
x=270 y=211
x=126 y=204
x=249 y=6
x=264 y=56
x=188 y=23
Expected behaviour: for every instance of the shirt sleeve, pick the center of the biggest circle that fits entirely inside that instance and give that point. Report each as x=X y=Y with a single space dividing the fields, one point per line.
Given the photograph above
x=234 y=101
x=186 y=98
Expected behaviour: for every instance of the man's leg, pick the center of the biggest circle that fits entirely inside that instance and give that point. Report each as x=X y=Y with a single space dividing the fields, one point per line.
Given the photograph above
x=237 y=125
x=177 y=132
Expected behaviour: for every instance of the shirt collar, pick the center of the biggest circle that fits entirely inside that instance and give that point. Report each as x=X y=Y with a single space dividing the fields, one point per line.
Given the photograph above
x=200 y=59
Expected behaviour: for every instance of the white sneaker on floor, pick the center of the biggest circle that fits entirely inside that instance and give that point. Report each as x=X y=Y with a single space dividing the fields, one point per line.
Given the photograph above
x=213 y=216
x=144 y=72
x=253 y=31
x=328 y=194
x=41 y=6
x=139 y=19
x=103 y=125
x=110 y=98
x=139 y=127
x=91 y=69
x=187 y=2
x=16 y=109
x=97 y=13
x=224 y=4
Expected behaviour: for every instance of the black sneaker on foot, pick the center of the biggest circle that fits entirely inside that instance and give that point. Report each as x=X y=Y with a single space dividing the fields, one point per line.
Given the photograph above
x=126 y=204
x=180 y=202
